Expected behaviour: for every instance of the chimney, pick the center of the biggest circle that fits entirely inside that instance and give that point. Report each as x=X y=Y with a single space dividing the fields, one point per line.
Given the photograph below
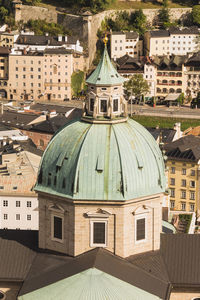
x=48 y=116
x=177 y=127
x=60 y=38
x=65 y=38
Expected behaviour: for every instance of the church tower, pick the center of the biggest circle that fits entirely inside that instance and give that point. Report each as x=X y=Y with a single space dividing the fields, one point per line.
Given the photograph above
x=101 y=179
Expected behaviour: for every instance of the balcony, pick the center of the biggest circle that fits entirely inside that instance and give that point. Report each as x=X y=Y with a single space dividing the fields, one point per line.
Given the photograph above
x=160 y=74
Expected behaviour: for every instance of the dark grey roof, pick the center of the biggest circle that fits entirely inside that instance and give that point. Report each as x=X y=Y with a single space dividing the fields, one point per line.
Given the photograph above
x=100 y=259
x=129 y=34
x=17 y=253
x=166 y=135
x=129 y=64
x=132 y=35
x=174 y=30
x=50 y=107
x=159 y=33
x=51 y=125
x=4 y=50
x=181 y=255
x=177 y=263
x=58 y=51
x=44 y=40
x=4 y=127
x=29 y=146
x=173 y=62
x=15 y=119
x=187 y=30
x=151 y=262
x=194 y=60
x=185 y=148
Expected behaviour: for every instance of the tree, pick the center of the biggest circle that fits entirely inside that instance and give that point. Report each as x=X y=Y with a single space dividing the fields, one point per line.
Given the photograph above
x=138 y=21
x=136 y=86
x=164 y=17
x=77 y=82
x=196 y=15
x=180 y=99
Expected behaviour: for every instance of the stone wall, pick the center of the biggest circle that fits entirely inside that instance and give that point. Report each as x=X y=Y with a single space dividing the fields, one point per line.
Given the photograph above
x=26 y=12
x=85 y=27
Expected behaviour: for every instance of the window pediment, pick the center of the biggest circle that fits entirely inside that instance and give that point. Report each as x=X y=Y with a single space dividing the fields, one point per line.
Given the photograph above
x=100 y=213
x=92 y=94
x=143 y=209
x=56 y=208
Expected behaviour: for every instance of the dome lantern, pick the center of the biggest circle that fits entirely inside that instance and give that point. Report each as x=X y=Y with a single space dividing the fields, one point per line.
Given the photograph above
x=105 y=102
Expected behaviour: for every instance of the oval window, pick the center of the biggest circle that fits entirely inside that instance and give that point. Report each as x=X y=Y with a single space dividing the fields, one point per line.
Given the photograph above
x=2 y=296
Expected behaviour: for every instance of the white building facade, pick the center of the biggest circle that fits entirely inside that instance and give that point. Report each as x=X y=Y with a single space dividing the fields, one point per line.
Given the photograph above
x=18 y=212
x=123 y=43
x=174 y=41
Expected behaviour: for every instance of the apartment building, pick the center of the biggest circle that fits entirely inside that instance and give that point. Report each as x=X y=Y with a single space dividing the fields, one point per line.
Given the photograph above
x=170 y=77
x=4 y=58
x=18 y=172
x=26 y=76
x=174 y=41
x=128 y=66
x=34 y=42
x=41 y=75
x=7 y=39
x=183 y=163
x=123 y=43
x=192 y=73
x=58 y=68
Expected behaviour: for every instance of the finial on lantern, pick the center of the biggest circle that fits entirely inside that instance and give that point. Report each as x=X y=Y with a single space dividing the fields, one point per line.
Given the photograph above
x=105 y=40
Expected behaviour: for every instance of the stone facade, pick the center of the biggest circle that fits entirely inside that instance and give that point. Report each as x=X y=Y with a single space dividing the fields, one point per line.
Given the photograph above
x=184 y=295
x=121 y=219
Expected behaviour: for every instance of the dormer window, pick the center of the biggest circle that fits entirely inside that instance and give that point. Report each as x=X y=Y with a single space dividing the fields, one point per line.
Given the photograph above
x=103 y=105
x=104 y=89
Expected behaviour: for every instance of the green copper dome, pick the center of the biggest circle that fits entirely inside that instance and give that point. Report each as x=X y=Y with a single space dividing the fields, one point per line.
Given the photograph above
x=105 y=73
x=102 y=162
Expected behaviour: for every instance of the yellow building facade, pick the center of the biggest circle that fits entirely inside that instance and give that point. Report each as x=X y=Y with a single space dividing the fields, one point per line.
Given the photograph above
x=184 y=185
x=183 y=173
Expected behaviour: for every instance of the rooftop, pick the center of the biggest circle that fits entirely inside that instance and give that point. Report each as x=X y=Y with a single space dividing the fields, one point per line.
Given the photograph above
x=44 y=40
x=105 y=73
x=175 y=265
x=186 y=148
x=129 y=34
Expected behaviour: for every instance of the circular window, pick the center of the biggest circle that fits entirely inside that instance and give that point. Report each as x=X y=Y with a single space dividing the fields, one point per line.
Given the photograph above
x=198 y=298
x=2 y=296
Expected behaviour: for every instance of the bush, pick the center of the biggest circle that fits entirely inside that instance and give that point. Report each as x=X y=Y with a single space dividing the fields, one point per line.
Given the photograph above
x=77 y=82
x=40 y=27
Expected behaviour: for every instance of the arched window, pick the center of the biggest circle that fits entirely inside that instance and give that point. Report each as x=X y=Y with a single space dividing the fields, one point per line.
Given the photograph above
x=171 y=90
